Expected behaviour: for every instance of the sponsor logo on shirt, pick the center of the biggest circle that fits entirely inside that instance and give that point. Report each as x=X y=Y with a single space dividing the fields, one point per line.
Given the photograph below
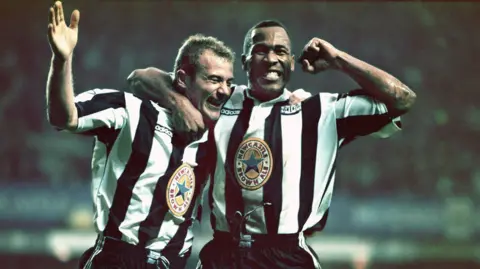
x=229 y=111
x=290 y=109
x=163 y=129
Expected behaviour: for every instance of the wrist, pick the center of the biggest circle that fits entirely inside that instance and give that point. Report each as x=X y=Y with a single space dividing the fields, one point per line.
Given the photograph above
x=175 y=99
x=340 y=60
x=60 y=62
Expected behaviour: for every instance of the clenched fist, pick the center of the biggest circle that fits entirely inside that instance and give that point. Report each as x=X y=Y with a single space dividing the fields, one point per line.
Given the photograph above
x=318 y=55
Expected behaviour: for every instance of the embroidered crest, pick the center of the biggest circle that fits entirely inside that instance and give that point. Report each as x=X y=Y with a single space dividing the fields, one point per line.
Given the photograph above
x=253 y=163
x=180 y=190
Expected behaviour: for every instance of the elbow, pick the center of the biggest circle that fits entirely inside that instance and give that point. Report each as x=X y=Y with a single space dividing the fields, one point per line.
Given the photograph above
x=403 y=102
x=56 y=123
x=148 y=77
x=61 y=122
x=151 y=83
x=408 y=98
x=412 y=98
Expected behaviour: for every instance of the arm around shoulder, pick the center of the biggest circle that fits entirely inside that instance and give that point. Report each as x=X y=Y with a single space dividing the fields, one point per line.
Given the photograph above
x=154 y=84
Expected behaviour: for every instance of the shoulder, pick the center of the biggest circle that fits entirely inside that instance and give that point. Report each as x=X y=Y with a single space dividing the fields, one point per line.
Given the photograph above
x=88 y=95
x=164 y=116
x=147 y=109
x=238 y=90
x=237 y=96
x=328 y=97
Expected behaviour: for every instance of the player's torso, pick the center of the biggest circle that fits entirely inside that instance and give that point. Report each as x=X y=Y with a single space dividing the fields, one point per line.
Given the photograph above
x=148 y=181
x=266 y=166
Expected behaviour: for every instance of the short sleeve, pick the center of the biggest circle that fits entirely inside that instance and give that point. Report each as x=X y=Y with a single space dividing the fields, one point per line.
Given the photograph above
x=100 y=109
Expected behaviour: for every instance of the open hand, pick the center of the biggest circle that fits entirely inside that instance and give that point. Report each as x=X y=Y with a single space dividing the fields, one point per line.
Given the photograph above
x=62 y=38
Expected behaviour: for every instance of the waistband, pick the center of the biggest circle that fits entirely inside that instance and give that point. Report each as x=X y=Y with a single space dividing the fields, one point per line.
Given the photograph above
x=151 y=256
x=257 y=240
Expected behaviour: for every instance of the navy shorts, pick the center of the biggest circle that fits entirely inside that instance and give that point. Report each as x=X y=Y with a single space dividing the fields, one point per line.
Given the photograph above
x=265 y=252
x=115 y=254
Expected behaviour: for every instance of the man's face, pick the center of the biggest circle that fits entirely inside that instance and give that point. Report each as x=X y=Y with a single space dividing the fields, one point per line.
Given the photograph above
x=209 y=88
x=269 y=61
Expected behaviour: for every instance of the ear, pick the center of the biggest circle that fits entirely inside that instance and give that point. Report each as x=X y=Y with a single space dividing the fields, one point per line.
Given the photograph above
x=182 y=80
x=292 y=63
x=244 y=62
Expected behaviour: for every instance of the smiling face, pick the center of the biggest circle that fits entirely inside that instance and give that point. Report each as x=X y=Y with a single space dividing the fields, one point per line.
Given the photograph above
x=204 y=72
x=268 y=62
x=209 y=87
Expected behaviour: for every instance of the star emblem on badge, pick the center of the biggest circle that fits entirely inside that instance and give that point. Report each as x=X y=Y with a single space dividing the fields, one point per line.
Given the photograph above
x=182 y=189
x=252 y=163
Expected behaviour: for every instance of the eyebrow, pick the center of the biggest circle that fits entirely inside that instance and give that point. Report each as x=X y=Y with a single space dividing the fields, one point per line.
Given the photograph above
x=218 y=76
x=278 y=46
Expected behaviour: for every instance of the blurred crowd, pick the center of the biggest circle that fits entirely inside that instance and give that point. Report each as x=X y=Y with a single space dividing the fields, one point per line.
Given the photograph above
x=432 y=47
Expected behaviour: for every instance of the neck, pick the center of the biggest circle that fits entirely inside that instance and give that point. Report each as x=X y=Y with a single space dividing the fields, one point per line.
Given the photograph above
x=264 y=96
x=177 y=88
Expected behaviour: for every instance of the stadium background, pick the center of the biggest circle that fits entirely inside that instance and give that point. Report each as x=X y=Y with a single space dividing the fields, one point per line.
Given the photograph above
x=407 y=202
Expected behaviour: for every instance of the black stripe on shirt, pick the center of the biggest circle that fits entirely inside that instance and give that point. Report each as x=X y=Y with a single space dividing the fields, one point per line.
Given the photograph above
x=233 y=191
x=212 y=159
x=175 y=245
x=349 y=128
x=353 y=126
x=150 y=227
x=207 y=161
x=99 y=102
x=272 y=190
x=356 y=92
x=311 y=112
x=107 y=136
x=141 y=147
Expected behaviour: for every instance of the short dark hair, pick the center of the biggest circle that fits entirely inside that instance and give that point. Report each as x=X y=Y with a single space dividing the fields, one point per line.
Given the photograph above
x=247 y=41
x=189 y=53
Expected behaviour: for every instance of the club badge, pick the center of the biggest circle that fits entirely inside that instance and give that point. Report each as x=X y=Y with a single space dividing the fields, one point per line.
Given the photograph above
x=253 y=163
x=180 y=190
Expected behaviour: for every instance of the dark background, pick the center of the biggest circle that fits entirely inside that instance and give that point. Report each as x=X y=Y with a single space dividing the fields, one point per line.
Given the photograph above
x=410 y=201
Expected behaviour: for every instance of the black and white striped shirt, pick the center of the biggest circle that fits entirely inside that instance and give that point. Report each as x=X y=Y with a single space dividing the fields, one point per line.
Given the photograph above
x=282 y=154
x=144 y=188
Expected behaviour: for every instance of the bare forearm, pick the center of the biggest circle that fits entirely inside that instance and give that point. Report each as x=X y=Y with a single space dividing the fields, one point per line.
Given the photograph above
x=379 y=84
x=61 y=110
x=154 y=84
x=158 y=85
x=164 y=96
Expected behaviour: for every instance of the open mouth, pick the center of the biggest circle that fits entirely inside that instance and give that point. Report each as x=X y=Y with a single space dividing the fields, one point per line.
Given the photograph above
x=214 y=103
x=272 y=75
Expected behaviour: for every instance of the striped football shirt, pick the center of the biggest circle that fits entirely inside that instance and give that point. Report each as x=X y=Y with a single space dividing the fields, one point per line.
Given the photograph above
x=277 y=161
x=145 y=180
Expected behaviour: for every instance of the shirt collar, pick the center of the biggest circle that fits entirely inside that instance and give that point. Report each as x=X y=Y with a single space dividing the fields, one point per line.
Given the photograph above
x=283 y=97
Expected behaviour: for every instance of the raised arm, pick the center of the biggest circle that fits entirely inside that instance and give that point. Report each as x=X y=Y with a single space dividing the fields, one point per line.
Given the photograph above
x=319 y=55
x=61 y=110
